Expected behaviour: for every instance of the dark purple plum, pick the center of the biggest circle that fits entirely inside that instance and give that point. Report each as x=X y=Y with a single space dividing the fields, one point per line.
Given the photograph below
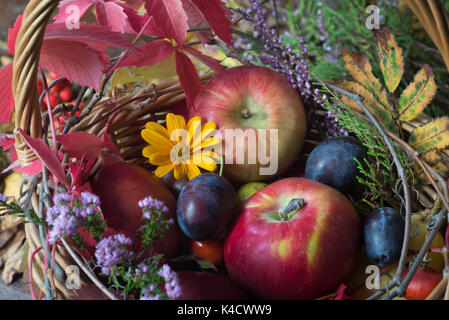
x=384 y=235
x=175 y=186
x=205 y=207
x=332 y=162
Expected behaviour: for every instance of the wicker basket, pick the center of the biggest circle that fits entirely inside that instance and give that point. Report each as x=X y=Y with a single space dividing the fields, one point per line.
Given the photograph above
x=130 y=115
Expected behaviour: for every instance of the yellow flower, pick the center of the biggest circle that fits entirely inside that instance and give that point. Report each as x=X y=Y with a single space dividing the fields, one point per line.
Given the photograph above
x=180 y=147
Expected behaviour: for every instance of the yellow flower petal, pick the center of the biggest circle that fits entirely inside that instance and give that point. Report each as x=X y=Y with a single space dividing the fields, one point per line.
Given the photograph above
x=208 y=128
x=155 y=138
x=208 y=164
x=163 y=170
x=160 y=159
x=154 y=126
x=180 y=171
x=192 y=171
x=194 y=128
x=214 y=156
x=174 y=122
x=149 y=150
x=207 y=143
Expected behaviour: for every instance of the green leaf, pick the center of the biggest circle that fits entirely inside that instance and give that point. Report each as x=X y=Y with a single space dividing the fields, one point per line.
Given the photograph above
x=384 y=116
x=201 y=263
x=418 y=94
x=432 y=135
x=391 y=59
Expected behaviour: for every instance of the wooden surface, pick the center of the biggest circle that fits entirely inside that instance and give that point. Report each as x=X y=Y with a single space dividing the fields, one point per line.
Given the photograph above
x=15 y=291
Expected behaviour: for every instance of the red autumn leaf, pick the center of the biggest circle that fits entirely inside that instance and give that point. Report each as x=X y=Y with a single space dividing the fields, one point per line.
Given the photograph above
x=149 y=54
x=15 y=164
x=96 y=37
x=196 y=19
x=81 y=145
x=6 y=96
x=79 y=171
x=46 y=155
x=74 y=61
x=110 y=13
x=78 y=54
x=137 y=22
x=67 y=8
x=217 y=15
x=447 y=236
x=32 y=169
x=135 y=4
x=188 y=77
x=212 y=63
x=12 y=34
x=13 y=155
x=6 y=141
x=170 y=17
x=107 y=142
x=340 y=293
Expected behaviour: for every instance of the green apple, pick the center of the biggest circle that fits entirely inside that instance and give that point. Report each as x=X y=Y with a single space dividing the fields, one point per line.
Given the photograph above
x=247 y=190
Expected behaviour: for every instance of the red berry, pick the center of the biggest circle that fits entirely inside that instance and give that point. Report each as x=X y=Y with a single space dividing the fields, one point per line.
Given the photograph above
x=53 y=76
x=422 y=284
x=65 y=94
x=210 y=251
x=40 y=87
x=54 y=100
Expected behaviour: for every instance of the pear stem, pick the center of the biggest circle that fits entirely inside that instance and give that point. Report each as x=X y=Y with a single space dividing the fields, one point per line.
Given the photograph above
x=293 y=206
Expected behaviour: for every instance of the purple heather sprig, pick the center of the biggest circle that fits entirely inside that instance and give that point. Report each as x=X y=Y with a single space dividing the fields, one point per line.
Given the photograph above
x=148 y=295
x=111 y=251
x=333 y=52
x=292 y=64
x=3 y=198
x=67 y=214
x=149 y=205
x=155 y=225
x=172 y=286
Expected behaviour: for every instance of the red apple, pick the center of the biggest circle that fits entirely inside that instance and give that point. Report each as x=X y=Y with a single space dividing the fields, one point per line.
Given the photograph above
x=208 y=286
x=422 y=284
x=303 y=255
x=252 y=98
x=120 y=186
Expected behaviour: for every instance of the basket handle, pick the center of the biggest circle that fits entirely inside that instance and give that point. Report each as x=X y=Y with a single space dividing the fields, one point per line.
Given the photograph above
x=25 y=69
x=435 y=21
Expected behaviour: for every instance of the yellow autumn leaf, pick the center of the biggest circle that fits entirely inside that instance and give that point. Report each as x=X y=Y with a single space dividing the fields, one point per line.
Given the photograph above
x=436 y=159
x=132 y=76
x=432 y=135
x=391 y=59
x=360 y=69
x=12 y=189
x=418 y=94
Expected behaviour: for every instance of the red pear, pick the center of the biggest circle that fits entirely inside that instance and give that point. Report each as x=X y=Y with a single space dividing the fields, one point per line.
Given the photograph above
x=120 y=186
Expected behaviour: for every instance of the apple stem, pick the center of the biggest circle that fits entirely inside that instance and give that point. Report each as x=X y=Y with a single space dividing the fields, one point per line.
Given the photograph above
x=245 y=113
x=221 y=165
x=292 y=207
